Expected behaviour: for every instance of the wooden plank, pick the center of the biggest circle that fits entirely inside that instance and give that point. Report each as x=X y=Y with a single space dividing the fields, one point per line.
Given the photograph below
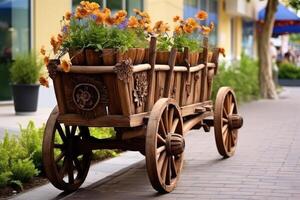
x=125 y=99
x=189 y=124
x=104 y=121
x=151 y=75
x=170 y=73
x=59 y=93
x=191 y=109
x=114 y=106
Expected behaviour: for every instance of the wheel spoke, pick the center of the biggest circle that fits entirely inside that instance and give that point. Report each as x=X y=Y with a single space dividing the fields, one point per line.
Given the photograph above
x=231 y=109
x=225 y=121
x=160 y=139
x=229 y=141
x=63 y=169
x=160 y=149
x=224 y=128
x=225 y=136
x=73 y=130
x=78 y=165
x=169 y=170
x=174 y=125
x=70 y=171
x=61 y=132
x=59 y=157
x=225 y=112
x=171 y=113
x=173 y=167
x=228 y=102
x=161 y=160
x=67 y=129
x=162 y=128
x=164 y=169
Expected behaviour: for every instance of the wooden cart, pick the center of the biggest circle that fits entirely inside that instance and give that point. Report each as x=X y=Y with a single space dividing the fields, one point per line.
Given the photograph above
x=150 y=106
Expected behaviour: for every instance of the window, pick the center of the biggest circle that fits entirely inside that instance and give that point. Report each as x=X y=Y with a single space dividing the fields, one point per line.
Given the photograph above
x=116 y=5
x=247 y=41
x=191 y=7
x=14 y=28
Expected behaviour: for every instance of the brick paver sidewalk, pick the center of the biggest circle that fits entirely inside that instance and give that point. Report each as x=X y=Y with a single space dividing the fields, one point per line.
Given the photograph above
x=265 y=166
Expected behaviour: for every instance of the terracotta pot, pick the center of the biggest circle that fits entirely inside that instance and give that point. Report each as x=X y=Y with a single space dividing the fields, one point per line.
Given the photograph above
x=93 y=57
x=109 y=56
x=194 y=56
x=162 y=57
x=146 y=57
x=140 y=54
x=77 y=56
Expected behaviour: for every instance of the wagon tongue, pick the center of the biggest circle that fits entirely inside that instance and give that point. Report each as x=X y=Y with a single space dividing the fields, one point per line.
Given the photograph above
x=175 y=144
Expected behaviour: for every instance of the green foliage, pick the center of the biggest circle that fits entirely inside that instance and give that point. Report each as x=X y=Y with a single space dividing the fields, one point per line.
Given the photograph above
x=25 y=69
x=242 y=76
x=23 y=170
x=289 y=71
x=164 y=43
x=21 y=156
x=183 y=40
x=121 y=39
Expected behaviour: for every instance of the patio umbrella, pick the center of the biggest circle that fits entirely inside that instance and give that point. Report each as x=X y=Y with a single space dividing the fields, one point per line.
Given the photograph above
x=286 y=21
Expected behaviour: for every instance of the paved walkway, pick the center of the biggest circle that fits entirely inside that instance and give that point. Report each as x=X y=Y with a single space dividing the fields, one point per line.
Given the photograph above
x=266 y=164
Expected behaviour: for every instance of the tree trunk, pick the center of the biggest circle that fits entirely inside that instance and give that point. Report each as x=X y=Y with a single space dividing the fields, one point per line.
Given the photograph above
x=267 y=86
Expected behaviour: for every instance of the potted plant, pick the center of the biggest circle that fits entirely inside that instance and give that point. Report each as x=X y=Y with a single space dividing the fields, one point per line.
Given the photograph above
x=25 y=73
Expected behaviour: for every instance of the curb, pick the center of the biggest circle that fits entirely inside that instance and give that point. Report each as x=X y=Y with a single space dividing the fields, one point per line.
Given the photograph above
x=98 y=174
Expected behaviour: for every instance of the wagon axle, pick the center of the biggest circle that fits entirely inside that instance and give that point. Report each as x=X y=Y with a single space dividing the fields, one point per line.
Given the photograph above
x=175 y=144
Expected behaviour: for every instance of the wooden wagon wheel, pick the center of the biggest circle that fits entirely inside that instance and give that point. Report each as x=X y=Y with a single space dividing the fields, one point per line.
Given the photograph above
x=61 y=155
x=164 y=145
x=226 y=122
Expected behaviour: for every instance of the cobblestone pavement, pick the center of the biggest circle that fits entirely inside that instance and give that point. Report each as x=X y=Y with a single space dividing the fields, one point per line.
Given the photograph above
x=266 y=164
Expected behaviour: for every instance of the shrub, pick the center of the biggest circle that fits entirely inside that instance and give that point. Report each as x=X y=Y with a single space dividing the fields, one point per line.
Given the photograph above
x=25 y=69
x=289 y=71
x=242 y=76
x=23 y=170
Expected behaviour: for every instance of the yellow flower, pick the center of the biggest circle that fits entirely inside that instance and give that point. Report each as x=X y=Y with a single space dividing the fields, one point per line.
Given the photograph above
x=68 y=16
x=46 y=60
x=132 y=22
x=201 y=15
x=44 y=82
x=66 y=65
x=43 y=51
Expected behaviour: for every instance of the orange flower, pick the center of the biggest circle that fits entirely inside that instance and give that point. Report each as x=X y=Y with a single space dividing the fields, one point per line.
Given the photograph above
x=187 y=28
x=43 y=51
x=44 y=82
x=46 y=60
x=161 y=27
x=191 y=22
x=120 y=16
x=68 y=16
x=100 y=18
x=107 y=12
x=132 y=22
x=206 y=30
x=81 y=13
x=66 y=65
x=201 y=15
x=176 y=18
x=110 y=21
x=211 y=26
x=136 y=11
x=59 y=39
x=222 y=51
x=178 y=29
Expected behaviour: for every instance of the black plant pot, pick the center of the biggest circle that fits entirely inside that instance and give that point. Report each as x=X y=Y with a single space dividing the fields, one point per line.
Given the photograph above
x=25 y=98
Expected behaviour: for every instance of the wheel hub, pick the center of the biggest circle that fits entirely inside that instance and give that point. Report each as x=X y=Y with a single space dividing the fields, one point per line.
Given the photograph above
x=175 y=144
x=235 y=121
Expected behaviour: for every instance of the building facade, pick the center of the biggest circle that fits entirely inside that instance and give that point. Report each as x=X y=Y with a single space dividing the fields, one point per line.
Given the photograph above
x=26 y=25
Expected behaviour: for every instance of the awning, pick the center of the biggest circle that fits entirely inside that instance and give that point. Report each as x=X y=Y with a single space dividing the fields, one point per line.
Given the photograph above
x=286 y=21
